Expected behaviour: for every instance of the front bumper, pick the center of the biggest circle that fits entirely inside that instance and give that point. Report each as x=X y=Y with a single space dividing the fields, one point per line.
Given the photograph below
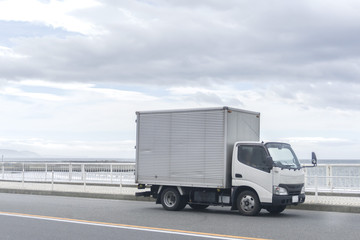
x=280 y=200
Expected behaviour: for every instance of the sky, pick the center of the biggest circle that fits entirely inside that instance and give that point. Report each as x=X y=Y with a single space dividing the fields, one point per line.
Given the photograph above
x=73 y=72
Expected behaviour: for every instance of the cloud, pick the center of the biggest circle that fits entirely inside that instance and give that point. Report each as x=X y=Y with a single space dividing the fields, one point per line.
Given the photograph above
x=335 y=95
x=88 y=149
x=296 y=63
x=316 y=140
x=86 y=88
x=66 y=111
x=211 y=95
x=57 y=14
x=6 y=52
x=325 y=147
x=57 y=85
x=199 y=44
x=11 y=30
x=91 y=114
x=19 y=93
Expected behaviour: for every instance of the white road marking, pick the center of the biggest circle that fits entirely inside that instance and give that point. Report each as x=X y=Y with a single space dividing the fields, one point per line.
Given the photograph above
x=131 y=227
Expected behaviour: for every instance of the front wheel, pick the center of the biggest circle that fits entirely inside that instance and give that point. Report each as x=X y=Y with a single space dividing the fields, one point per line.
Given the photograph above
x=276 y=209
x=248 y=203
x=171 y=200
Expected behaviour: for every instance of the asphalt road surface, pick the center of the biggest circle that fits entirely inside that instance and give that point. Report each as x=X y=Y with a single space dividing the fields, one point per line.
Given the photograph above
x=51 y=217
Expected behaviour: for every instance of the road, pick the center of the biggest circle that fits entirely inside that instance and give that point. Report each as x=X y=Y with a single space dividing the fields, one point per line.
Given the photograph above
x=51 y=217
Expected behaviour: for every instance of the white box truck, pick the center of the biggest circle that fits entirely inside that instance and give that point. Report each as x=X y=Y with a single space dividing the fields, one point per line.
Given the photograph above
x=213 y=156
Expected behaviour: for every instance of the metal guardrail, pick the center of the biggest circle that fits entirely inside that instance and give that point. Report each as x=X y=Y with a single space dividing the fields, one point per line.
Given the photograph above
x=340 y=178
x=85 y=173
x=339 y=184
x=334 y=178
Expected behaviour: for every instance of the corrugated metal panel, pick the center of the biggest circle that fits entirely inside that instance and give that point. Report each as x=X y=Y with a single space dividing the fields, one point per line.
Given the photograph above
x=188 y=148
x=243 y=127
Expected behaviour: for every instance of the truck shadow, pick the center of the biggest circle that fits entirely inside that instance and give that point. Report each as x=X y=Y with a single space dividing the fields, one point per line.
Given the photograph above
x=226 y=212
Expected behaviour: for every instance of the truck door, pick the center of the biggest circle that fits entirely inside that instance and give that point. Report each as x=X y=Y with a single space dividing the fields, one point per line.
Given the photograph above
x=250 y=168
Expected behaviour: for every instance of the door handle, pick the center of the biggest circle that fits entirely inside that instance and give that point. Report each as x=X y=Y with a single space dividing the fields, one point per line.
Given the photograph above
x=238 y=175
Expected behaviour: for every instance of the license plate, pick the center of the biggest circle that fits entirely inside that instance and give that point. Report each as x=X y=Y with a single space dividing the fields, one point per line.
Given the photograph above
x=295 y=199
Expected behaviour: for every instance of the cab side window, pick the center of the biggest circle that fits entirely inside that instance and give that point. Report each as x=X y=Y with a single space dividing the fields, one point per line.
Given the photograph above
x=253 y=156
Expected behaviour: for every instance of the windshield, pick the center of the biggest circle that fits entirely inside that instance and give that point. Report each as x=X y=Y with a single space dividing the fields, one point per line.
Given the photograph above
x=283 y=156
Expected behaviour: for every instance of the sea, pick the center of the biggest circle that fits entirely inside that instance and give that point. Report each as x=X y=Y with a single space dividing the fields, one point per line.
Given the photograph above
x=332 y=161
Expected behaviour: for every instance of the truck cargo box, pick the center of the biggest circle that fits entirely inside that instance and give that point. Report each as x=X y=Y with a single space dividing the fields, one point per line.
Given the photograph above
x=191 y=147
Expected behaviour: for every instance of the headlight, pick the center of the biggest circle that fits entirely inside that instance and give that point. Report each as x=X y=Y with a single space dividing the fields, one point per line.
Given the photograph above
x=303 y=190
x=280 y=191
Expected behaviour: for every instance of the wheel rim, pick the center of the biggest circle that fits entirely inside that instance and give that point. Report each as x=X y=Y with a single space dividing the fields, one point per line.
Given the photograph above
x=247 y=203
x=170 y=199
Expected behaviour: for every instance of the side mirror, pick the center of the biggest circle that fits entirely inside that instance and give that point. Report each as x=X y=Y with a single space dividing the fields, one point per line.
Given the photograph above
x=313 y=159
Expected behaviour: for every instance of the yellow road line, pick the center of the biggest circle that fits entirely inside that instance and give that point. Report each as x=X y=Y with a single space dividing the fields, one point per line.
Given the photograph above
x=127 y=226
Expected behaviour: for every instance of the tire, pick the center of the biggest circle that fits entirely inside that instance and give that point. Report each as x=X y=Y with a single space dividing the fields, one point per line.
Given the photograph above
x=276 y=209
x=248 y=203
x=171 y=200
x=198 y=206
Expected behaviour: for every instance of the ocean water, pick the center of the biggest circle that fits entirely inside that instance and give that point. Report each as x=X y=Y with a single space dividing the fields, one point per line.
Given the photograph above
x=332 y=161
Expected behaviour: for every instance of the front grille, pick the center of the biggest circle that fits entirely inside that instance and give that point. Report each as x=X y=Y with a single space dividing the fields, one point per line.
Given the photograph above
x=293 y=189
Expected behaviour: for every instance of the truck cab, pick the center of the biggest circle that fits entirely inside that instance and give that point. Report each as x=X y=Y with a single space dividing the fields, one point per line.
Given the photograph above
x=270 y=172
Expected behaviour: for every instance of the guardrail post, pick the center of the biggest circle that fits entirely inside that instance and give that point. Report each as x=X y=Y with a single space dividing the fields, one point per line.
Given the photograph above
x=111 y=173
x=305 y=178
x=329 y=178
x=70 y=172
x=3 y=170
x=359 y=183
x=84 y=181
x=121 y=175
x=46 y=171
x=316 y=188
x=23 y=174
x=52 y=180
x=83 y=175
x=82 y=172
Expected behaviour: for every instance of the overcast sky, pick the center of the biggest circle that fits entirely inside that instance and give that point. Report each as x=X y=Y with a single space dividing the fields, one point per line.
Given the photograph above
x=73 y=72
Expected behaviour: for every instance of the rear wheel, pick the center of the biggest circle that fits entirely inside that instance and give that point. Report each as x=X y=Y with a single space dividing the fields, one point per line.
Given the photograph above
x=248 y=203
x=171 y=200
x=275 y=209
x=198 y=206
